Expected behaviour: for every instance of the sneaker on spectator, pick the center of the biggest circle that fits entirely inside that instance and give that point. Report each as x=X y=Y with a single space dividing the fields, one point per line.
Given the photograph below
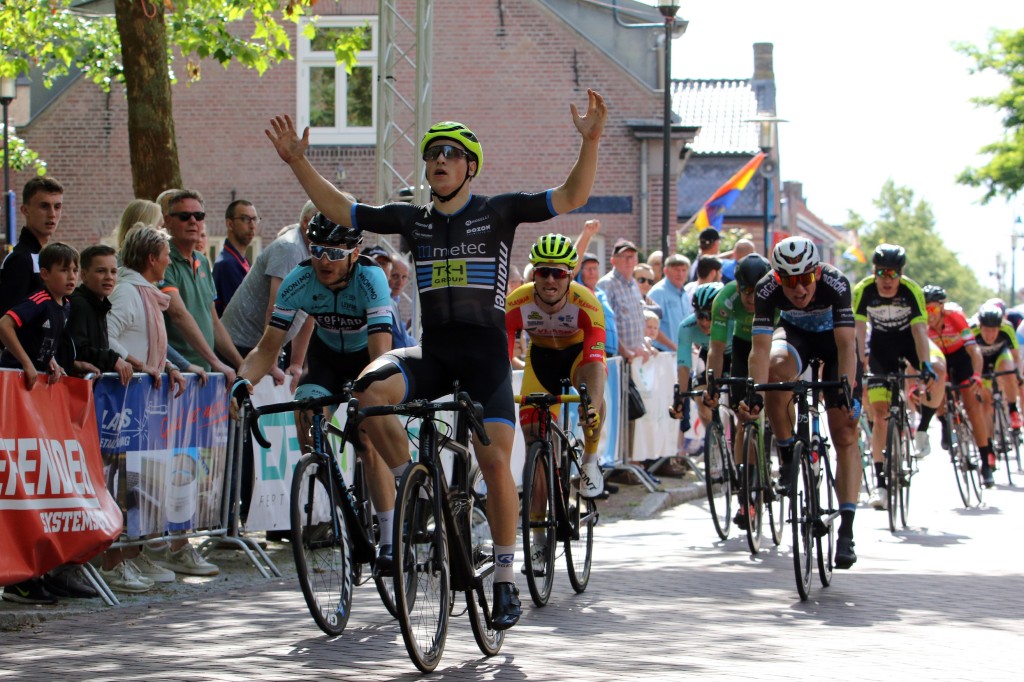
x=148 y=569
x=31 y=591
x=591 y=480
x=124 y=578
x=922 y=444
x=879 y=498
x=68 y=581
x=188 y=561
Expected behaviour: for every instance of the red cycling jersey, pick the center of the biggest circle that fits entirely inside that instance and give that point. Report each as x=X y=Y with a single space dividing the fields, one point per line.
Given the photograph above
x=953 y=334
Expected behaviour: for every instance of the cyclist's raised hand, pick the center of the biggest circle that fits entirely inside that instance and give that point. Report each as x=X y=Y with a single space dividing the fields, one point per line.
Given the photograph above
x=290 y=147
x=590 y=125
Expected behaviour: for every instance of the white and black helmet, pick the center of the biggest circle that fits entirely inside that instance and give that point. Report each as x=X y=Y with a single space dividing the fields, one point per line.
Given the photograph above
x=794 y=256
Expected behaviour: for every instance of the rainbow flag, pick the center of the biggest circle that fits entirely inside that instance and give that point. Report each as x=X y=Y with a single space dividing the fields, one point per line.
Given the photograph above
x=713 y=212
x=853 y=251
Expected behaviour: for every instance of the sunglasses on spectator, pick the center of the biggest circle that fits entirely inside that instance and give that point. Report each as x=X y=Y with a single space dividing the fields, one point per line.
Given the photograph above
x=333 y=253
x=556 y=273
x=887 y=273
x=644 y=280
x=792 y=281
x=248 y=219
x=448 y=151
x=704 y=315
x=183 y=216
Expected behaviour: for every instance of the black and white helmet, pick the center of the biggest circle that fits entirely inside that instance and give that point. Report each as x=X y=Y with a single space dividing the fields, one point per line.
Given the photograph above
x=795 y=256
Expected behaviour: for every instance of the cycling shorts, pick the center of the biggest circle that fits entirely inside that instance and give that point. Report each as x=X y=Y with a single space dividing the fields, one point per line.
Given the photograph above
x=736 y=364
x=327 y=371
x=545 y=370
x=996 y=363
x=889 y=353
x=959 y=368
x=475 y=356
x=805 y=346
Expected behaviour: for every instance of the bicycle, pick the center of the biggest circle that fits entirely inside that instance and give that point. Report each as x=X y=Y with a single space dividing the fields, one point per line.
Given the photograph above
x=757 y=487
x=900 y=465
x=867 y=465
x=720 y=472
x=437 y=550
x=568 y=516
x=811 y=517
x=333 y=532
x=1003 y=437
x=963 y=451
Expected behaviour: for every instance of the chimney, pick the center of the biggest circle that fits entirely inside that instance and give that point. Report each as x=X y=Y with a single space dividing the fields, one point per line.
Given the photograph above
x=763 y=82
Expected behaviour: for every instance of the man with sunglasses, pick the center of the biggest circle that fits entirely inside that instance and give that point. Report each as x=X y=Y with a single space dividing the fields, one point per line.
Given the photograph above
x=461 y=244
x=565 y=323
x=348 y=297
x=894 y=306
x=194 y=328
x=815 y=320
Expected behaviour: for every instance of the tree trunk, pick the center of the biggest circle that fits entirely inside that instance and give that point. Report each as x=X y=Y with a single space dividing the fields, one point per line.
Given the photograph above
x=151 y=141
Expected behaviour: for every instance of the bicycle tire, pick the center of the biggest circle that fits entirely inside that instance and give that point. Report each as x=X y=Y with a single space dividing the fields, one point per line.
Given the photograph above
x=775 y=501
x=800 y=504
x=360 y=491
x=1006 y=440
x=540 y=575
x=826 y=541
x=421 y=569
x=753 y=488
x=321 y=546
x=960 y=464
x=906 y=472
x=478 y=604
x=866 y=462
x=717 y=478
x=892 y=455
x=582 y=513
x=972 y=457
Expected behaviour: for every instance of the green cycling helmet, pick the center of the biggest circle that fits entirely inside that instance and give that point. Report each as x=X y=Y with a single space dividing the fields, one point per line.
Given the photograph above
x=554 y=248
x=452 y=130
x=704 y=295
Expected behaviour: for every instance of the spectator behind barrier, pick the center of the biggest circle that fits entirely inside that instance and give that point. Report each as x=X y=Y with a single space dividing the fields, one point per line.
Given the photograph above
x=397 y=280
x=137 y=211
x=41 y=202
x=193 y=326
x=89 y=307
x=674 y=301
x=624 y=298
x=741 y=249
x=241 y=222
x=644 y=276
x=655 y=260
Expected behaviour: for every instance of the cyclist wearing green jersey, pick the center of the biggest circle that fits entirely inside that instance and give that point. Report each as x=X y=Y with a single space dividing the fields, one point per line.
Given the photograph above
x=732 y=315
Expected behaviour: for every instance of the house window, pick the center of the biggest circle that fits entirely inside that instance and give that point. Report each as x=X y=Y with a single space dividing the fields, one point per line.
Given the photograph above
x=339 y=106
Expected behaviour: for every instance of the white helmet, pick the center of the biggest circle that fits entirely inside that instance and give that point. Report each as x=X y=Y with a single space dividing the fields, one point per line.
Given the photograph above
x=794 y=256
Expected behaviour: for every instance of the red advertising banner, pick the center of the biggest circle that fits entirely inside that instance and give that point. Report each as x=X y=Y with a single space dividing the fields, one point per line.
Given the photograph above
x=54 y=506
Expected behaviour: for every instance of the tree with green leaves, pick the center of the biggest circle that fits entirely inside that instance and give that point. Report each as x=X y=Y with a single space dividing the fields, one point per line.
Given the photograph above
x=911 y=224
x=138 y=45
x=1003 y=175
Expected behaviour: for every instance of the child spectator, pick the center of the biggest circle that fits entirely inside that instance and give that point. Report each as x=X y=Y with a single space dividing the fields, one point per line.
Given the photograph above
x=651 y=329
x=89 y=307
x=34 y=334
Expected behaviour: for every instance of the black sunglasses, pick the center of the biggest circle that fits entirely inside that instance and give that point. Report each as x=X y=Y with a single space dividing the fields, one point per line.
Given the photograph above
x=644 y=280
x=545 y=272
x=447 y=150
x=183 y=216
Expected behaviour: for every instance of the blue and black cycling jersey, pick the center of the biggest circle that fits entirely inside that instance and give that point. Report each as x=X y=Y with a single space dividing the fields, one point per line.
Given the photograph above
x=462 y=260
x=344 y=318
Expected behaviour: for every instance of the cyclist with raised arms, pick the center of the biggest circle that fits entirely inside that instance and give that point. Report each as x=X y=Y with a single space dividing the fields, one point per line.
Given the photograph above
x=732 y=316
x=348 y=297
x=565 y=324
x=949 y=329
x=894 y=306
x=997 y=342
x=813 y=300
x=461 y=244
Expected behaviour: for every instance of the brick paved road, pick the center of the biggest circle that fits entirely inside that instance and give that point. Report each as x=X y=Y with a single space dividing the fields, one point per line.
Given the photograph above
x=940 y=602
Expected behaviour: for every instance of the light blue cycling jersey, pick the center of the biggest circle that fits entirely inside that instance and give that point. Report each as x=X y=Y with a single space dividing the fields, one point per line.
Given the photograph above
x=688 y=336
x=344 y=318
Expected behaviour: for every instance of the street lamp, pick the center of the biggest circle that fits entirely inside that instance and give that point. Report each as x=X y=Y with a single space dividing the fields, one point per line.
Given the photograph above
x=668 y=10
x=8 y=91
x=767 y=140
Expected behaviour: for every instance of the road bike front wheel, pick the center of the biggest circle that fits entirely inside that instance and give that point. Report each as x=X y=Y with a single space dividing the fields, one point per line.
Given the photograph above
x=717 y=478
x=972 y=458
x=906 y=474
x=478 y=601
x=539 y=542
x=1004 y=441
x=420 y=566
x=579 y=547
x=321 y=544
x=893 y=455
x=828 y=514
x=774 y=500
x=753 y=491
x=958 y=457
x=801 y=516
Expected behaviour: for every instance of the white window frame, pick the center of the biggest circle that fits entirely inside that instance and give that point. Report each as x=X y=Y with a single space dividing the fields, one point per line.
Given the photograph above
x=341 y=134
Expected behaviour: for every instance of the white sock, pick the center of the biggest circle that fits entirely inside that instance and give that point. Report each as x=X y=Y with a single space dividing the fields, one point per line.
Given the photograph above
x=386 y=523
x=504 y=556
